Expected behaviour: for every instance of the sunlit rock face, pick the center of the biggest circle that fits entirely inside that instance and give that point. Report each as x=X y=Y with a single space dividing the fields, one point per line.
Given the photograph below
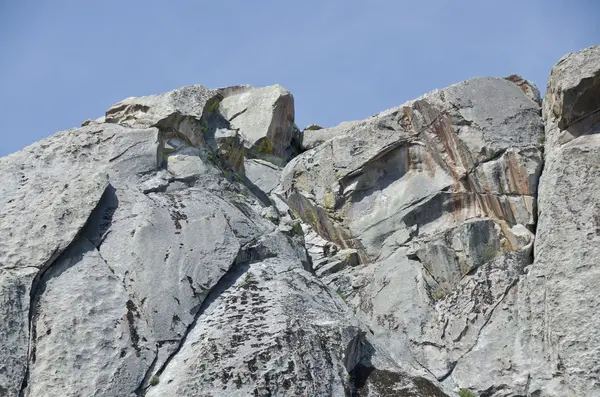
x=197 y=243
x=438 y=196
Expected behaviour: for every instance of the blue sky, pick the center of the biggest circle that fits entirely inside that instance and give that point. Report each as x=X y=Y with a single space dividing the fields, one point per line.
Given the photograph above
x=64 y=61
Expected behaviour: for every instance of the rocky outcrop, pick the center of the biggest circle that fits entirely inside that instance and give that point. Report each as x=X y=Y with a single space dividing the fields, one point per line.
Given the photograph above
x=236 y=122
x=197 y=243
x=563 y=281
x=438 y=198
x=118 y=267
x=265 y=119
x=527 y=87
x=471 y=150
x=555 y=348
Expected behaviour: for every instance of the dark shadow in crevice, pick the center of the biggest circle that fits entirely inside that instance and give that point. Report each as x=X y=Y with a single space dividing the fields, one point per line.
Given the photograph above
x=581 y=110
x=365 y=379
x=100 y=220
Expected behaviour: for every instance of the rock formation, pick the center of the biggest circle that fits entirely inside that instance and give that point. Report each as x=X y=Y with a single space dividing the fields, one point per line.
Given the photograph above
x=197 y=243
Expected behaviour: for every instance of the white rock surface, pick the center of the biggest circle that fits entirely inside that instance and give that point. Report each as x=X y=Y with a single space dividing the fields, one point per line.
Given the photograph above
x=85 y=329
x=438 y=197
x=115 y=238
x=265 y=119
x=181 y=110
x=163 y=251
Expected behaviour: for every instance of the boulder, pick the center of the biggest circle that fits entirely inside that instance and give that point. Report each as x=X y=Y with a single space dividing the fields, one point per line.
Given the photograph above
x=265 y=119
x=233 y=123
x=180 y=111
x=571 y=100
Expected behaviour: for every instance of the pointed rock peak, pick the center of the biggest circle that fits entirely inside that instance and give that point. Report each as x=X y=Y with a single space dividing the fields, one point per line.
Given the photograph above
x=527 y=87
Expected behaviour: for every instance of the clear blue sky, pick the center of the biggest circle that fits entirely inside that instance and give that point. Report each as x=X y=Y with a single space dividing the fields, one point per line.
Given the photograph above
x=64 y=61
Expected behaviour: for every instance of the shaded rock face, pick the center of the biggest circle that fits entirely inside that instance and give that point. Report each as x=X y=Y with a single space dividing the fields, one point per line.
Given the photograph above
x=196 y=243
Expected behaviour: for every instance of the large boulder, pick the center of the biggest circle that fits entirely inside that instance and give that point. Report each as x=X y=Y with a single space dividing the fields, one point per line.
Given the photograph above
x=265 y=119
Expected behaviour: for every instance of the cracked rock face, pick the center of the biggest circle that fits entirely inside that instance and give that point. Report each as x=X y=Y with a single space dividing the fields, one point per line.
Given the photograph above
x=438 y=197
x=471 y=150
x=130 y=240
x=565 y=275
x=196 y=243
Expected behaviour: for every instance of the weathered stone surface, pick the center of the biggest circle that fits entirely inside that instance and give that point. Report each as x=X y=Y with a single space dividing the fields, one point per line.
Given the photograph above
x=234 y=123
x=438 y=197
x=571 y=100
x=424 y=163
x=555 y=350
x=56 y=205
x=265 y=119
x=263 y=336
x=311 y=138
x=527 y=87
x=109 y=269
x=84 y=329
x=163 y=251
x=14 y=327
x=144 y=217
x=180 y=111
x=46 y=201
x=263 y=174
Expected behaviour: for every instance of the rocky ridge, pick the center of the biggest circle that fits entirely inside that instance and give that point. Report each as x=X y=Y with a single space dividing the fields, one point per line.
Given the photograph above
x=197 y=243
